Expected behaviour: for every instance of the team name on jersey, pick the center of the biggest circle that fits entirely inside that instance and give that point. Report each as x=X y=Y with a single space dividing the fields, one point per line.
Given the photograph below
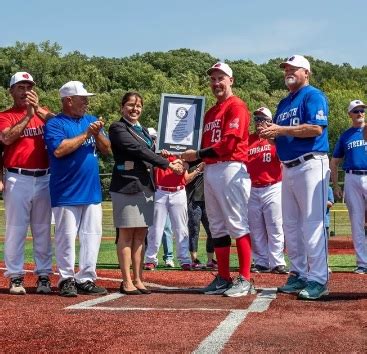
x=356 y=143
x=259 y=149
x=212 y=125
x=32 y=131
x=286 y=115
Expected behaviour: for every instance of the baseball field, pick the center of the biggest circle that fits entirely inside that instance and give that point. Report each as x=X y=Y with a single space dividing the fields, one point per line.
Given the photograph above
x=177 y=318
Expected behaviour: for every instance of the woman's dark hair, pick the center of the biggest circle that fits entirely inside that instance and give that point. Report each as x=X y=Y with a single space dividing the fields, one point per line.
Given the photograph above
x=127 y=96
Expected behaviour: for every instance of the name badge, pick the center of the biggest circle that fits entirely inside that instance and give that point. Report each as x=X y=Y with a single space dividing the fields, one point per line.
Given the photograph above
x=129 y=165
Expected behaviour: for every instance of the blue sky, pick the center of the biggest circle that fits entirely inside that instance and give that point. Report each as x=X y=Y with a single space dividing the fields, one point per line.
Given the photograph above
x=256 y=30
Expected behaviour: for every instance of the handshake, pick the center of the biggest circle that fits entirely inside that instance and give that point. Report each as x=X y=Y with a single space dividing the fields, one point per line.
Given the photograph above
x=177 y=166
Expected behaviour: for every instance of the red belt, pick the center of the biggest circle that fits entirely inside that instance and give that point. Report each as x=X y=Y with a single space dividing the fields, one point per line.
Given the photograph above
x=170 y=189
x=263 y=185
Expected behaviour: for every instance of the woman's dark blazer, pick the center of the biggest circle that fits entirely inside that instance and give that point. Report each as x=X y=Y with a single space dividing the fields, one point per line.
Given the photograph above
x=131 y=151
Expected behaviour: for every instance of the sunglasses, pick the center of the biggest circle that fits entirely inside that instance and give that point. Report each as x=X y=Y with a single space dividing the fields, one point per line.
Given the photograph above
x=261 y=119
x=356 y=111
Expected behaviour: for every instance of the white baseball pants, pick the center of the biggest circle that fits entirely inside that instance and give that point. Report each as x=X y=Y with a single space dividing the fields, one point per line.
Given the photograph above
x=227 y=187
x=175 y=205
x=304 y=197
x=27 y=203
x=85 y=221
x=355 y=189
x=266 y=225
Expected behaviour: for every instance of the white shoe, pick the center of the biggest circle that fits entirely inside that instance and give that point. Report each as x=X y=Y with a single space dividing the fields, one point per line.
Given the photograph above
x=16 y=286
x=169 y=263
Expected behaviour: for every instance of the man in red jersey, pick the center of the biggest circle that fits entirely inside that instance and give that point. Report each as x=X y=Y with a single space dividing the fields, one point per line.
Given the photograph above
x=26 y=192
x=264 y=207
x=226 y=181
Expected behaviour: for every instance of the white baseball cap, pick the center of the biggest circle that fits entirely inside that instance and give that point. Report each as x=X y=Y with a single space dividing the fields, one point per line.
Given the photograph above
x=264 y=111
x=152 y=132
x=298 y=61
x=354 y=104
x=223 y=67
x=74 y=88
x=21 y=76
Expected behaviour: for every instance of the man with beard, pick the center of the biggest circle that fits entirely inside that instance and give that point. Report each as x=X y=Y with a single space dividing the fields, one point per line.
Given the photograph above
x=300 y=131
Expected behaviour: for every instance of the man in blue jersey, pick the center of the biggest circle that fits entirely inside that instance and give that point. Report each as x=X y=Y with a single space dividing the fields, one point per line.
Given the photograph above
x=72 y=139
x=352 y=147
x=300 y=131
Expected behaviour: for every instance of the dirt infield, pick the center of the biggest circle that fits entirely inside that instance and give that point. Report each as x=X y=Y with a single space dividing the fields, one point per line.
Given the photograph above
x=176 y=318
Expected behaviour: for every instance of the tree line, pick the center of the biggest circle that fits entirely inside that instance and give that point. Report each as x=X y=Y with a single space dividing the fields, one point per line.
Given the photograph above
x=181 y=71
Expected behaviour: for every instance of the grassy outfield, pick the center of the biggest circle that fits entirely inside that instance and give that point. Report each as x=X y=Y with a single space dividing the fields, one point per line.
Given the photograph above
x=108 y=259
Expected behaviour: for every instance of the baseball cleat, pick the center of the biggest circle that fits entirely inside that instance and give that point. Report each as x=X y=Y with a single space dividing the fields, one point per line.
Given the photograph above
x=293 y=285
x=169 y=263
x=90 y=288
x=240 y=287
x=43 y=285
x=360 y=270
x=217 y=287
x=259 y=269
x=280 y=269
x=212 y=265
x=313 y=291
x=186 y=266
x=149 y=266
x=17 y=286
x=67 y=288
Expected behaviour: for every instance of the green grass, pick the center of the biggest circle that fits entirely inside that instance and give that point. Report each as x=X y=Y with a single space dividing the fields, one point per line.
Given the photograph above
x=107 y=256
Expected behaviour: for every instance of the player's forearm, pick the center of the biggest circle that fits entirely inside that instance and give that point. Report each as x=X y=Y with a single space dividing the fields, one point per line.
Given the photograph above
x=11 y=135
x=68 y=146
x=103 y=144
x=300 y=131
x=334 y=163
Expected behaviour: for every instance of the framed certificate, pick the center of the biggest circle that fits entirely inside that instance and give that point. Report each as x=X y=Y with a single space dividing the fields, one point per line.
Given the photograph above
x=180 y=123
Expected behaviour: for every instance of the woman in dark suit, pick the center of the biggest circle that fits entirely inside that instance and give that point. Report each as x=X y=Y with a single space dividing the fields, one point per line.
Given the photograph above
x=132 y=189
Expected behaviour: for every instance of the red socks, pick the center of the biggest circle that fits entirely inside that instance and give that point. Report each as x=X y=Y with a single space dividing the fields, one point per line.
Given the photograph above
x=244 y=255
x=222 y=254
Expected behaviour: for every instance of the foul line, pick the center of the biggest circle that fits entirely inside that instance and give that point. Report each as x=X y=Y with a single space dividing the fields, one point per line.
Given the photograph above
x=216 y=341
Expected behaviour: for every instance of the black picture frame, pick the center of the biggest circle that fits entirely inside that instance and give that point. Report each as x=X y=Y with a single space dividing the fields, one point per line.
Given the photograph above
x=180 y=123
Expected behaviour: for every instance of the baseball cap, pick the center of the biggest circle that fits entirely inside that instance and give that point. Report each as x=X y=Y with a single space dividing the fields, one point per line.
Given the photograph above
x=21 y=76
x=264 y=111
x=152 y=132
x=74 y=88
x=298 y=61
x=223 y=67
x=354 y=104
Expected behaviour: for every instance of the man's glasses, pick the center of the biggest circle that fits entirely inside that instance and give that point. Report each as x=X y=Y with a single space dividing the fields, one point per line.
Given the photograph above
x=356 y=111
x=261 y=119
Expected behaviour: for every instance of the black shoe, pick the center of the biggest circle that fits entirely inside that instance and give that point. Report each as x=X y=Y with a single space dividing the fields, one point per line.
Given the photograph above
x=43 y=285
x=89 y=288
x=279 y=270
x=129 y=292
x=259 y=269
x=67 y=288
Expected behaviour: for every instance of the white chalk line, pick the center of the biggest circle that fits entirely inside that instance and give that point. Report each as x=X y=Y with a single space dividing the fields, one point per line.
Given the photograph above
x=216 y=340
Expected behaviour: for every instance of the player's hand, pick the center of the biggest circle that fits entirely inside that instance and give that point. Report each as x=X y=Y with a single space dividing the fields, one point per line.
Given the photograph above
x=200 y=167
x=338 y=193
x=94 y=128
x=31 y=103
x=165 y=153
x=189 y=155
x=1 y=186
x=271 y=131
